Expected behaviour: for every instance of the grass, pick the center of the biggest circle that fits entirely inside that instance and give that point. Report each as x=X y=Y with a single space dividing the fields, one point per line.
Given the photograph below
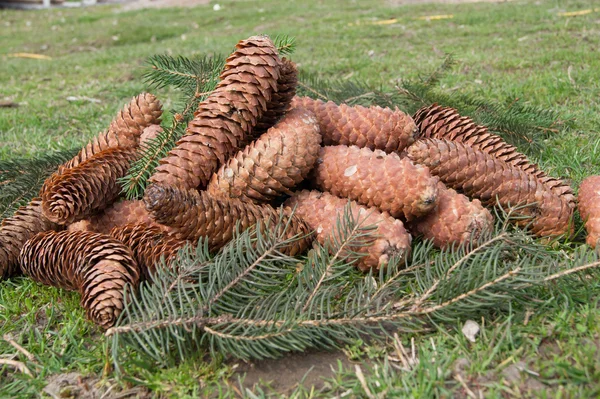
x=516 y=50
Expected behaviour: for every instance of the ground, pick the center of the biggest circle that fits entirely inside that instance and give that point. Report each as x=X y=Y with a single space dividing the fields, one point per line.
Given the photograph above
x=530 y=51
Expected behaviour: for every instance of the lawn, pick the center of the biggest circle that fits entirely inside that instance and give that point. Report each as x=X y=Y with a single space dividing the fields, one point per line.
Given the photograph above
x=534 y=52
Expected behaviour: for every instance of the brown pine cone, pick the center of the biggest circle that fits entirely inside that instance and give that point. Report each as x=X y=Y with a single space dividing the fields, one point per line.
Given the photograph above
x=321 y=211
x=125 y=130
x=480 y=175
x=589 y=208
x=96 y=265
x=223 y=121
x=87 y=188
x=375 y=127
x=118 y=214
x=191 y=215
x=440 y=122
x=16 y=230
x=374 y=178
x=149 y=243
x=272 y=165
x=281 y=100
x=150 y=133
x=454 y=221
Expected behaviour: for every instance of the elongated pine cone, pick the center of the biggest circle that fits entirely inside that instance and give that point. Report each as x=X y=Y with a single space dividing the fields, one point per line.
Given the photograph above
x=118 y=214
x=374 y=127
x=281 y=100
x=16 y=230
x=223 y=121
x=191 y=215
x=125 y=130
x=589 y=208
x=149 y=243
x=87 y=188
x=374 y=178
x=455 y=220
x=96 y=265
x=321 y=211
x=440 y=122
x=272 y=165
x=480 y=175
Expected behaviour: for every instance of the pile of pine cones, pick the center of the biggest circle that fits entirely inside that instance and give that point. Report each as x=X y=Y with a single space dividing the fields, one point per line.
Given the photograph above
x=251 y=144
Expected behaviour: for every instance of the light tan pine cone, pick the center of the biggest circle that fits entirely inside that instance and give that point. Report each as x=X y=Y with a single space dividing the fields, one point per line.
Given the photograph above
x=191 y=215
x=125 y=130
x=321 y=211
x=374 y=178
x=374 y=127
x=118 y=214
x=272 y=165
x=87 y=188
x=149 y=244
x=480 y=175
x=281 y=100
x=589 y=208
x=440 y=122
x=223 y=121
x=95 y=265
x=454 y=221
x=16 y=230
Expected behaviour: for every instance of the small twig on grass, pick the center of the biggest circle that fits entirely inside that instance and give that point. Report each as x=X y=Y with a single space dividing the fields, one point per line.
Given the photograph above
x=363 y=382
x=16 y=365
x=462 y=382
x=18 y=347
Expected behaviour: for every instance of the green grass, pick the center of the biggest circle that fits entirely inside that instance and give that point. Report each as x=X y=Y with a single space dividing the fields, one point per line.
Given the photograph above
x=517 y=50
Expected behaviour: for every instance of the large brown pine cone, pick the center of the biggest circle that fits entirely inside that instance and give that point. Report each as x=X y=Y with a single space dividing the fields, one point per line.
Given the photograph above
x=455 y=220
x=480 y=175
x=125 y=130
x=589 y=208
x=118 y=214
x=374 y=178
x=374 y=127
x=149 y=244
x=223 y=121
x=440 y=122
x=96 y=265
x=87 y=188
x=272 y=165
x=281 y=100
x=321 y=211
x=16 y=230
x=191 y=215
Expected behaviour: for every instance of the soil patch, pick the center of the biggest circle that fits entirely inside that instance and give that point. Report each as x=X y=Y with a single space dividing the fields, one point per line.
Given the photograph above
x=285 y=374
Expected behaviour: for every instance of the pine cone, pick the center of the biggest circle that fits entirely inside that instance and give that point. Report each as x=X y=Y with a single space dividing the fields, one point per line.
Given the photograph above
x=223 y=121
x=439 y=122
x=87 y=188
x=125 y=130
x=193 y=214
x=272 y=165
x=375 y=127
x=149 y=243
x=373 y=178
x=321 y=212
x=281 y=100
x=589 y=208
x=96 y=265
x=16 y=230
x=480 y=175
x=454 y=221
x=118 y=214
x=150 y=133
